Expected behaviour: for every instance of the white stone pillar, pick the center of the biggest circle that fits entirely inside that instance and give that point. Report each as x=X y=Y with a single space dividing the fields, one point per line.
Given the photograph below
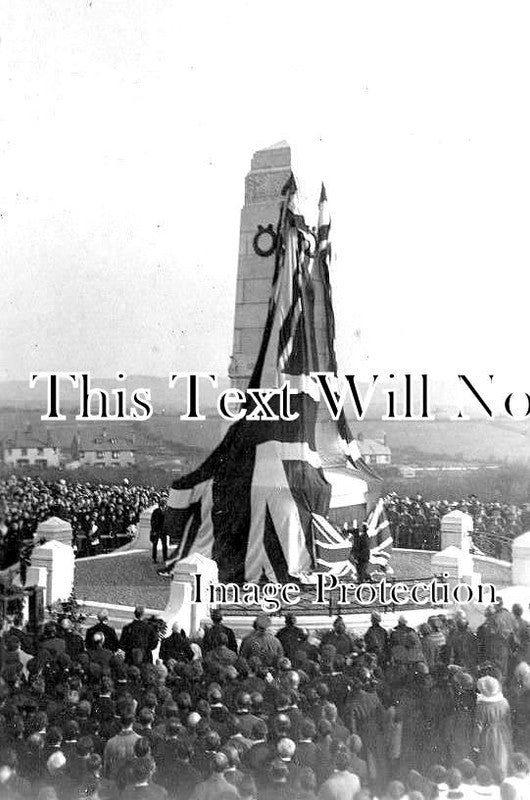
x=182 y=608
x=456 y=529
x=59 y=562
x=521 y=560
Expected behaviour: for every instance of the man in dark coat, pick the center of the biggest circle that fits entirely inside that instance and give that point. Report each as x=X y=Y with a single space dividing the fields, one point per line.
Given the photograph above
x=290 y=636
x=176 y=646
x=363 y=555
x=212 y=637
x=339 y=638
x=376 y=639
x=102 y=626
x=138 y=635
x=462 y=644
x=158 y=533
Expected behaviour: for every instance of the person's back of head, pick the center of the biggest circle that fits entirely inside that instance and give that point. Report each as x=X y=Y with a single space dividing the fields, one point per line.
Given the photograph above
x=146 y=717
x=438 y=774
x=173 y=728
x=85 y=746
x=219 y=762
x=467 y=769
x=342 y=760
x=453 y=778
x=142 y=747
x=232 y=754
x=183 y=751
x=141 y=769
x=395 y=790
x=520 y=763
x=94 y=764
x=308 y=729
x=286 y=748
x=127 y=712
x=484 y=776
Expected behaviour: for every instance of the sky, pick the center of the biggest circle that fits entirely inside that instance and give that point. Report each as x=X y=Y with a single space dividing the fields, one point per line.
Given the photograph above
x=126 y=131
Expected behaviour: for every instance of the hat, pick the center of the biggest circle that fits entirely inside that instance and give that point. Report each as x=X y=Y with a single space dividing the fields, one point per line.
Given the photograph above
x=489 y=689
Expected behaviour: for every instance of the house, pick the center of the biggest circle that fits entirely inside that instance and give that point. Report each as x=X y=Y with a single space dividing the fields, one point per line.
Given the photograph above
x=28 y=449
x=102 y=450
x=374 y=451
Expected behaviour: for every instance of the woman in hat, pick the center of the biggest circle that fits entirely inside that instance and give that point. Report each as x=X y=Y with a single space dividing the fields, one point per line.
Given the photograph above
x=493 y=735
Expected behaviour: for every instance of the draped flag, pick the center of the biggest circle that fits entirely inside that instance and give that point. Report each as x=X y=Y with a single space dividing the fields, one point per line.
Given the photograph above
x=332 y=551
x=379 y=535
x=249 y=506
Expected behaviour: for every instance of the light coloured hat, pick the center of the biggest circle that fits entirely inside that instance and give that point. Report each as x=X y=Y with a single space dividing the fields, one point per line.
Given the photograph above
x=489 y=689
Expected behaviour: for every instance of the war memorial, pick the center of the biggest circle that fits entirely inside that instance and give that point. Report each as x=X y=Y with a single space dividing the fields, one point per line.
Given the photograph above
x=290 y=494
x=291 y=646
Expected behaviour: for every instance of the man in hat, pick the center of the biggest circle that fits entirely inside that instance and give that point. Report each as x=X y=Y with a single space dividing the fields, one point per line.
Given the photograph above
x=290 y=636
x=261 y=642
x=212 y=636
x=363 y=555
x=176 y=646
x=376 y=639
x=157 y=529
x=138 y=635
x=102 y=626
x=339 y=638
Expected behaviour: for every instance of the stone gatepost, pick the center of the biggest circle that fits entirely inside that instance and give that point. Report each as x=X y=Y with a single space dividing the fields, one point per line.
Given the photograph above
x=55 y=529
x=58 y=561
x=455 y=531
x=182 y=608
x=521 y=560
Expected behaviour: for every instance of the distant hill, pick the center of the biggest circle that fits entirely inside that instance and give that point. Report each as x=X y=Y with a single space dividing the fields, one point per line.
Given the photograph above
x=478 y=439
x=17 y=395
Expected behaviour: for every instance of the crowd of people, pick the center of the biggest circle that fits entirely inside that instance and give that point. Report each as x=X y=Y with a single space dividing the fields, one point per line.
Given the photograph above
x=415 y=522
x=437 y=712
x=101 y=515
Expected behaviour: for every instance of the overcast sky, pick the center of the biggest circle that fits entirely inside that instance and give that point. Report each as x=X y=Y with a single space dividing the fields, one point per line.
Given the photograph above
x=126 y=131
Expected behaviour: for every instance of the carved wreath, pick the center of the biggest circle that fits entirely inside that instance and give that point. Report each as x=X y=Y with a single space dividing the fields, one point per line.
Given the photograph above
x=268 y=232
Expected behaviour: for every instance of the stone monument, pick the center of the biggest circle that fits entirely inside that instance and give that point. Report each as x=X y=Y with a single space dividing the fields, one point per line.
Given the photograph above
x=270 y=170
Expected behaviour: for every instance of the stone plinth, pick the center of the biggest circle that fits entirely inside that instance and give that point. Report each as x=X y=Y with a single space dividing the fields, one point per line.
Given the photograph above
x=59 y=562
x=456 y=528
x=455 y=565
x=181 y=608
x=55 y=529
x=521 y=560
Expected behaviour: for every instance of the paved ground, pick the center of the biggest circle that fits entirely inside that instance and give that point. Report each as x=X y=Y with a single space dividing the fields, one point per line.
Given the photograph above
x=125 y=579
x=131 y=578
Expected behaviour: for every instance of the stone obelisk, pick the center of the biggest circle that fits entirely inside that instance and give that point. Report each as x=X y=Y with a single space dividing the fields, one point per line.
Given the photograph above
x=269 y=171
